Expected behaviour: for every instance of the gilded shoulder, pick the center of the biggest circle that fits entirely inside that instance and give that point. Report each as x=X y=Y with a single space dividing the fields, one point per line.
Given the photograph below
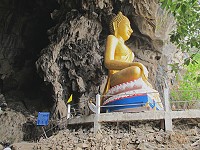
x=112 y=37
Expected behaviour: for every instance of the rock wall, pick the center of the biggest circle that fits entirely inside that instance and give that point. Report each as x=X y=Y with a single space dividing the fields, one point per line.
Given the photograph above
x=73 y=62
x=50 y=49
x=23 y=29
x=11 y=126
x=70 y=59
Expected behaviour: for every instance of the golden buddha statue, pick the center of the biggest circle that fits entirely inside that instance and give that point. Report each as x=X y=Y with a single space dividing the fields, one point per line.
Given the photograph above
x=119 y=58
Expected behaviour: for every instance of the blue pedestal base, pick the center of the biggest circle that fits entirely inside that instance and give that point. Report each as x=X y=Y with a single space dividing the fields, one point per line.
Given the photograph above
x=132 y=103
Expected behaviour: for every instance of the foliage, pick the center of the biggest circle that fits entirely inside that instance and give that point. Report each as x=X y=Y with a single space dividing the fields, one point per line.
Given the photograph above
x=188 y=88
x=187 y=14
x=186 y=37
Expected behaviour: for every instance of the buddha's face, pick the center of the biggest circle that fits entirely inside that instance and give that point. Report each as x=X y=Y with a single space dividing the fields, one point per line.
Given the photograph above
x=124 y=29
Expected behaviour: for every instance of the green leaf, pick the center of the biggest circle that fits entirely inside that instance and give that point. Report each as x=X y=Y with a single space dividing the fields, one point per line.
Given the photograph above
x=194 y=1
x=198 y=79
x=187 y=61
x=194 y=62
x=183 y=8
x=169 y=2
x=164 y=4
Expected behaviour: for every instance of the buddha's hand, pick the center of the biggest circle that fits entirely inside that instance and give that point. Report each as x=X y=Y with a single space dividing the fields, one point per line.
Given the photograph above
x=142 y=67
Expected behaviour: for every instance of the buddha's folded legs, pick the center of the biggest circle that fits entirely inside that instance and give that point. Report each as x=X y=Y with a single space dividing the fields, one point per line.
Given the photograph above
x=125 y=75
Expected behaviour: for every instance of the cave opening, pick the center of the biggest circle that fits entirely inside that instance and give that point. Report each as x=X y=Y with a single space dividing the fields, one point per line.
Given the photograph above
x=24 y=25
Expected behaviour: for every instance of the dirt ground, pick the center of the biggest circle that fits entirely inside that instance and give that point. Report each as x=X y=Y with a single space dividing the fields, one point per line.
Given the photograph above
x=139 y=135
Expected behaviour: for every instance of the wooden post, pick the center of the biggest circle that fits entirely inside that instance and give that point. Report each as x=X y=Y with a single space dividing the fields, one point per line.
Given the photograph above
x=168 y=118
x=68 y=111
x=97 y=125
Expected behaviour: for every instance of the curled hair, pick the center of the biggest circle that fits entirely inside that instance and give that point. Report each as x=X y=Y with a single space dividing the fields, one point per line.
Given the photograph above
x=117 y=18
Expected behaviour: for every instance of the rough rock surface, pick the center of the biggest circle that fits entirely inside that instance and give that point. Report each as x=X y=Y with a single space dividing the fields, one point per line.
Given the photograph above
x=23 y=28
x=11 y=125
x=73 y=62
x=16 y=126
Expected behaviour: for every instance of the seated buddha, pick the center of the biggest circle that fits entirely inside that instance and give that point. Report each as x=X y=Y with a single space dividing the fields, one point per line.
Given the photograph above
x=125 y=76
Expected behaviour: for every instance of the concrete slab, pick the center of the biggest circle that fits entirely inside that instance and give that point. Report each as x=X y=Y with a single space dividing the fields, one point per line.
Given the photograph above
x=191 y=113
x=120 y=116
x=81 y=119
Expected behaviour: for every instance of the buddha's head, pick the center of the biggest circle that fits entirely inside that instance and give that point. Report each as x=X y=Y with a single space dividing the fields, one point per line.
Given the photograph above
x=120 y=26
